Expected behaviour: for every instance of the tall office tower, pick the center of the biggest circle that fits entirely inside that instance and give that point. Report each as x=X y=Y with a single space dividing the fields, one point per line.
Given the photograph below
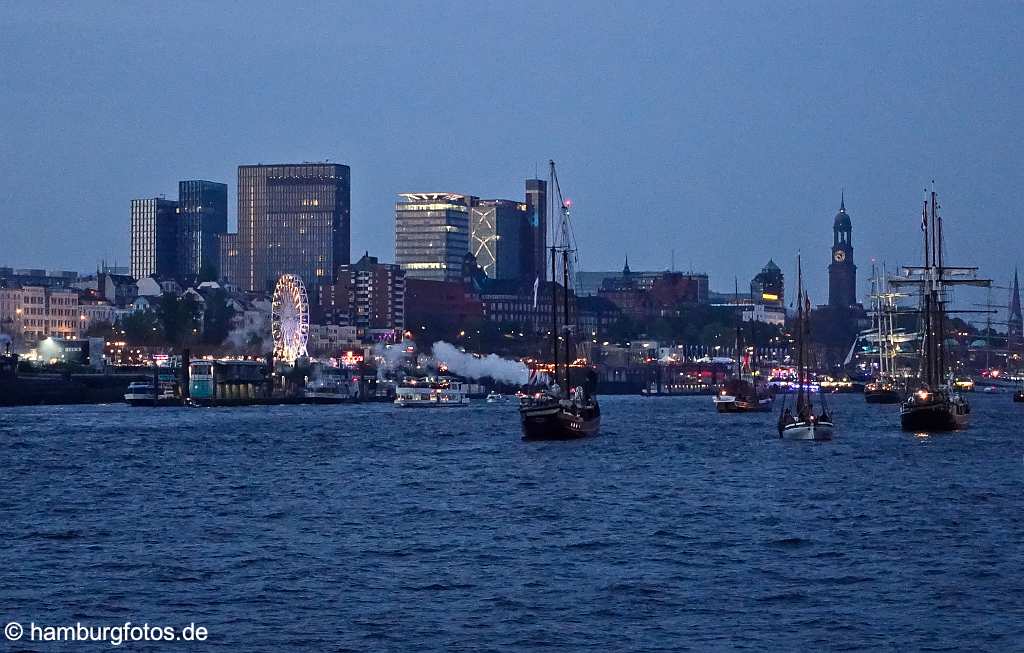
x=497 y=229
x=154 y=237
x=202 y=218
x=535 y=240
x=432 y=234
x=292 y=218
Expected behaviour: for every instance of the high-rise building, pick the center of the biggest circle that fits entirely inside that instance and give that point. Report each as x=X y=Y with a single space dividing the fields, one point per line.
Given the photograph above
x=842 y=273
x=432 y=234
x=535 y=239
x=202 y=218
x=292 y=218
x=497 y=230
x=154 y=237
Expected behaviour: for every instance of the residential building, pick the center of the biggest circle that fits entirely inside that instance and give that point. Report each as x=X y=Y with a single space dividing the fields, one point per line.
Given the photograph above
x=432 y=234
x=154 y=237
x=368 y=295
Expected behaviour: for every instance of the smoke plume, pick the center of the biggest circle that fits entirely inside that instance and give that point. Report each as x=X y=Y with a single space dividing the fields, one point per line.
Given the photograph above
x=492 y=366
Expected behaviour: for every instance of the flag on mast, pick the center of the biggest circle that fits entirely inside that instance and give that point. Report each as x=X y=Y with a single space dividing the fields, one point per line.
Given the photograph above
x=536 y=285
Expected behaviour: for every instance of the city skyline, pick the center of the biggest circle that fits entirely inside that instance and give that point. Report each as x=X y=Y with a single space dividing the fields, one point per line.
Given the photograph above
x=743 y=125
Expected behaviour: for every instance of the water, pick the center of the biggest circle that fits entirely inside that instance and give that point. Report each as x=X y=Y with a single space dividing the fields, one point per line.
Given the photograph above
x=371 y=528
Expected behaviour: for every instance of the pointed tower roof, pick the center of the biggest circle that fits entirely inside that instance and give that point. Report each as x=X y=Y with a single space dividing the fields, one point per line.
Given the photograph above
x=842 y=220
x=625 y=268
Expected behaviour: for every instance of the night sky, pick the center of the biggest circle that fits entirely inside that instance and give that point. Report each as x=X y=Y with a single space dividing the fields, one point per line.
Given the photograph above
x=724 y=132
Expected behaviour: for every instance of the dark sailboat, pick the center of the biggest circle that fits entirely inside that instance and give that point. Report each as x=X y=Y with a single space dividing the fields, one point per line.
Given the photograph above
x=562 y=411
x=803 y=424
x=935 y=405
x=744 y=392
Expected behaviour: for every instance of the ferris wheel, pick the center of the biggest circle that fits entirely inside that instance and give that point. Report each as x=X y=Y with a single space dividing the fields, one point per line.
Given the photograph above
x=290 y=318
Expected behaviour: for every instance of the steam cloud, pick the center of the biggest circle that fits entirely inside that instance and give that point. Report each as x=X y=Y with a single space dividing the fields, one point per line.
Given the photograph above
x=492 y=366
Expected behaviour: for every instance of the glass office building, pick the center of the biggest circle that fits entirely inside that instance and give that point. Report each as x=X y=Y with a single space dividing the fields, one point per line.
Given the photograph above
x=292 y=218
x=497 y=231
x=202 y=218
x=432 y=234
x=154 y=236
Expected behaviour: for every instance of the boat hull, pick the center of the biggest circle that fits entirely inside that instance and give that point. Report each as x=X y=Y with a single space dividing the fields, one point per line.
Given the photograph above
x=814 y=431
x=558 y=423
x=882 y=397
x=728 y=404
x=934 y=417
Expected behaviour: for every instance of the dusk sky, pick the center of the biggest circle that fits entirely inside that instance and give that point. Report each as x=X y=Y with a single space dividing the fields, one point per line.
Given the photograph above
x=724 y=132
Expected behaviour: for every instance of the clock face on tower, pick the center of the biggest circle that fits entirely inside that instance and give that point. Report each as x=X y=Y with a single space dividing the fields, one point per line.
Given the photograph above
x=839 y=256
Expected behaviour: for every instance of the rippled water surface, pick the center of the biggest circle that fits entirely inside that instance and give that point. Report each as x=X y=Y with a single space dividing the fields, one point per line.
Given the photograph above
x=373 y=528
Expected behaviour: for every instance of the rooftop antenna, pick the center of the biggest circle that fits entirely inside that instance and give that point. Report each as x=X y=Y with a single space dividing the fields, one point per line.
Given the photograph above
x=673 y=259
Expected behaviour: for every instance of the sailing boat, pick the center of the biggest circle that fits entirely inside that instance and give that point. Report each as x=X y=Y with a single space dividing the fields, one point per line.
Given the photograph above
x=803 y=424
x=561 y=412
x=883 y=389
x=742 y=393
x=935 y=405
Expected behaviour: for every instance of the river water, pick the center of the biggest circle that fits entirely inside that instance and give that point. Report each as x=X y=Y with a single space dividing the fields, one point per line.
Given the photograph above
x=372 y=528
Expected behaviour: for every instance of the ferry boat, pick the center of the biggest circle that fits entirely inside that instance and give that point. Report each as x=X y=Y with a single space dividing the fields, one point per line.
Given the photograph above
x=442 y=394
x=140 y=393
x=331 y=385
x=495 y=398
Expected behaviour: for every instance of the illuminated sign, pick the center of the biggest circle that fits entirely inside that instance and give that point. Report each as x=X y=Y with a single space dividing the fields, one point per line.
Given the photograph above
x=351 y=359
x=769 y=297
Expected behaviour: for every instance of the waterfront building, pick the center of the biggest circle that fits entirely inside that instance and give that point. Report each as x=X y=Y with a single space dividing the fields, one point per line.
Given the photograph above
x=510 y=303
x=499 y=231
x=441 y=304
x=292 y=218
x=432 y=234
x=202 y=219
x=34 y=313
x=154 y=237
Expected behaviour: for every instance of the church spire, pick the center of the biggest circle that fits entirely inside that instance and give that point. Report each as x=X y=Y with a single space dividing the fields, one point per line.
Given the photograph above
x=842 y=201
x=1015 y=314
x=625 y=268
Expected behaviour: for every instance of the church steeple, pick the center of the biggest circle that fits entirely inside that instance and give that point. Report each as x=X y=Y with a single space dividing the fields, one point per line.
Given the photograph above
x=842 y=273
x=625 y=268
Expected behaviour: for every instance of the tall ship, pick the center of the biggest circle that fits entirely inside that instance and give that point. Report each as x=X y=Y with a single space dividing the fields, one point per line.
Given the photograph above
x=936 y=404
x=800 y=422
x=883 y=389
x=562 y=411
x=744 y=392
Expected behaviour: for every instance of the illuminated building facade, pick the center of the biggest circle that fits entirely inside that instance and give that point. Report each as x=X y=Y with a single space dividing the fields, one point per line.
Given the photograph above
x=154 y=236
x=202 y=218
x=292 y=218
x=499 y=231
x=432 y=234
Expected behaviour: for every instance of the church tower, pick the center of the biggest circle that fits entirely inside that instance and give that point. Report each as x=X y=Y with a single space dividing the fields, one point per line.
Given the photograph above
x=842 y=273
